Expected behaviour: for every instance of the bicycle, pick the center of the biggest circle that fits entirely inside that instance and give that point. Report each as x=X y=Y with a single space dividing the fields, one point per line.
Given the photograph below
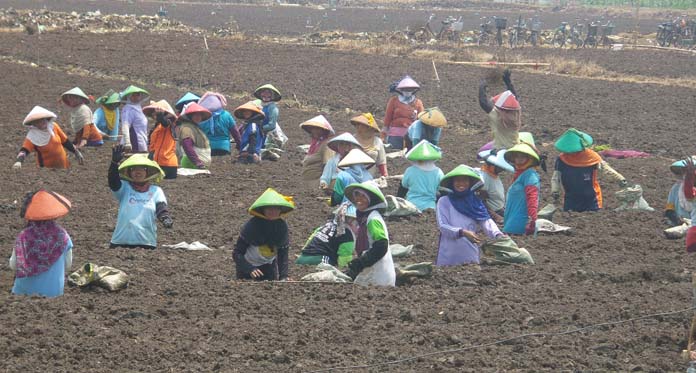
x=517 y=35
x=560 y=36
x=451 y=29
x=607 y=30
x=576 y=34
x=534 y=33
x=591 y=37
x=485 y=32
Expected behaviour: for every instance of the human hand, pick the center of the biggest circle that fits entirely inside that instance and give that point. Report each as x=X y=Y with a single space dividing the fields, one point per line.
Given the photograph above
x=127 y=148
x=256 y=273
x=556 y=197
x=469 y=235
x=80 y=157
x=506 y=75
x=623 y=183
x=323 y=185
x=483 y=83
x=497 y=218
x=167 y=222
x=117 y=153
x=530 y=228
x=17 y=165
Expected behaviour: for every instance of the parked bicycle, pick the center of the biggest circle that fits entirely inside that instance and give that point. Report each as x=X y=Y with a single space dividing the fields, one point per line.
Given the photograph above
x=451 y=29
x=518 y=34
x=591 y=37
x=560 y=35
x=576 y=34
x=606 y=31
x=484 y=36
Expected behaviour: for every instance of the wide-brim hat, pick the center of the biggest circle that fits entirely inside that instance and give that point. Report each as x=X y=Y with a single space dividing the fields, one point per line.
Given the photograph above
x=356 y=156
x=75 y=92
x=506 y=101
x=433 y=117
x=573 y=141
x=185 y=99
x=679 y=166
x=272 y=198
x=133 y=89
x=366 y=119
x=109 y=98
x=461 y=170
x=523 y=148
x=193 y=108
x=496 y=158
x=377 y=200
x=344 y=137
x=38 y=113
x=424 y=151
x=154 y=172
x=407 y=83
x=276 y=93
x=149 y=110
x=527 y=137
x=46 y=205
x=318 y=122
x=248 y=106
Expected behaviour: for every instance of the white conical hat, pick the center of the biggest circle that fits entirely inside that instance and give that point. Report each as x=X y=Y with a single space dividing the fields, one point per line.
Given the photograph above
x=76 y=92
x=356 y=156
x=319 y=121
x=38 y=113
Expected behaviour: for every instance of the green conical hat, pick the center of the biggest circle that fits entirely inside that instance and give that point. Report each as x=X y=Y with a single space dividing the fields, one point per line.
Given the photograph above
x=133 y=89
x=461 y=170
x=276 y=93
x=524 y=148
x=109 y=98
x=76 y=92
x=377 y=200
x=527 y=137
x=424 y=151
x=572 y=141
x=272 y=198
x=154 y=172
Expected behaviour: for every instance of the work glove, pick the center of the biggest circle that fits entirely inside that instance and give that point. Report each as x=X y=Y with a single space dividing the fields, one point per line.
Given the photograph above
x=483 y=83
x=530 y=228
x=80 y=157
x=117 y=153
x=167 y=222
x=623 y=183
x=17 y=165
x=355 y=266
x=506 y=76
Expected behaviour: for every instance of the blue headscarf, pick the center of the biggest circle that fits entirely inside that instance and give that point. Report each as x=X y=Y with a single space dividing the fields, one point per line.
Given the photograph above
x=468 y=204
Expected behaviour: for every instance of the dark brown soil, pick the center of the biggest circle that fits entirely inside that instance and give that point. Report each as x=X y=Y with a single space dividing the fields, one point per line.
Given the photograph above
x=184 y=311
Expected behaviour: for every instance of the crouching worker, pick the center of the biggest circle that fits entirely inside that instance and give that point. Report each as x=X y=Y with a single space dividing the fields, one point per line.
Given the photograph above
x=677 y=208
x=140 y=202
x=463 y=219
x=333 y=242
x=522 y=201
x=492 y=193
x=43 y=250
x=422 y=180
x=251 y=117
x=576 y=172
x=194 y=147
x=261 y=251
x=374 y=264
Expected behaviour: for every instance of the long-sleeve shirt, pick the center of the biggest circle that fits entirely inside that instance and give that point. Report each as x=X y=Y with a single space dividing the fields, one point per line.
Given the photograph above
x=399 y=116
x=377 y=261
x=455 y=249
x=522 y=202
x=163 y=145
x=270 y=120
x=581 y=184
x=259 y=248
x=134 y=124
x=51 y=155
x=330 y=169
x=219 y=128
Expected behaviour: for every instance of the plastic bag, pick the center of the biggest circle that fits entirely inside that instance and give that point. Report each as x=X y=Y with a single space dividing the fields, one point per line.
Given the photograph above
x=400 y=250
x=109 y=278
x=504 y=249
x=543 y=225
x=547 y=212
x=397 y=206
x=327 y=273
x=631 y=198
x=677 y=232
x=276 y=138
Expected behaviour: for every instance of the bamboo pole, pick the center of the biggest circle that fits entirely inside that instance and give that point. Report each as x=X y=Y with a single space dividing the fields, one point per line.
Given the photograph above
x=496 y=63
x=645 y=46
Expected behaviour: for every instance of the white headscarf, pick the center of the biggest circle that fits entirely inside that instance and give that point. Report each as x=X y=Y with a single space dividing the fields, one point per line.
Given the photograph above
x=40 y=137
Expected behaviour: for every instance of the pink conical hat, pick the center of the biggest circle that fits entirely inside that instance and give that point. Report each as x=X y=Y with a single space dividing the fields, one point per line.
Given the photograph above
x=38 y=113
x=407 y=82
x=506 y=101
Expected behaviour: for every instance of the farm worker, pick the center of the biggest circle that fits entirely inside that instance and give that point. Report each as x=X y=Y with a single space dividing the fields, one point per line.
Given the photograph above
x=133 y=121
x=576 y=172
x=81 y=121
x=107 y=117
x=422 y=179
x=43 y=249
x=402 y=110
x=341 y=145
x=332 y=243
x=261 y=251
x=522 y=201
x=462 y=218
x=187 y=98
x=677 y=208
x=161 y=140
x=354 y=170
x=492 y=193
x=221 y=126
x=367 y=134
x=140 y=202
x=251 y=117
x=428 y=127
x=193 y=146
x=274 y=138
x=504 y=113
x=46 y=139
x=373 y=264
x=689 y=195
x=318 y=154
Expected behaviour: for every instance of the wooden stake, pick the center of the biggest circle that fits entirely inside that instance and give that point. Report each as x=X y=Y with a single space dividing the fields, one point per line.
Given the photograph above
x=437 y=76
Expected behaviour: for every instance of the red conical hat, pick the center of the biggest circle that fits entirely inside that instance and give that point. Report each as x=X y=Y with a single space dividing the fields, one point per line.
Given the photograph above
x=45 y=205
x=192 y=108
x=506 y=101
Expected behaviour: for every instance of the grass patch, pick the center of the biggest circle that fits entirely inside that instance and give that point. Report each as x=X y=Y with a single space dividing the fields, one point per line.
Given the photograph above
x=565 y=66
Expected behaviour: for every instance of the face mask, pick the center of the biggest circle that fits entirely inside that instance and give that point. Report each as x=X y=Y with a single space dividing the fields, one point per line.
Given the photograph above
x=407 y=94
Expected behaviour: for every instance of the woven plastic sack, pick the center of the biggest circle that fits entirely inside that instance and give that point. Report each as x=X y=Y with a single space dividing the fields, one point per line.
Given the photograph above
x=109 y=278
x=397 y=206
x=398 y=250
x=504 y=249
x=547 y=212
x=547 y=226
x=631 y=198
x=327 y=273
x=677 y=232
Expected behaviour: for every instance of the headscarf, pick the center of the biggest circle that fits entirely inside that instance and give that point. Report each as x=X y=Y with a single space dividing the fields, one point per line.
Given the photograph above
x=39 y=246
x=407 y=98
x=358 y=172
x=109 y=117
x=468 y=204
x=425 y=166
x=213 y=101
x=362 y=242
x=316 y=143
x=585 y=158
x=40 y=137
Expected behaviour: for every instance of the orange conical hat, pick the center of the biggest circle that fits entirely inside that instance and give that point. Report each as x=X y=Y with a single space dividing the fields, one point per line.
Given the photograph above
x=46 y=205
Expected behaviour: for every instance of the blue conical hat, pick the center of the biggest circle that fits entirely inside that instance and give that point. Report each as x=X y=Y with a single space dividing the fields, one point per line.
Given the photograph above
x=573 y=141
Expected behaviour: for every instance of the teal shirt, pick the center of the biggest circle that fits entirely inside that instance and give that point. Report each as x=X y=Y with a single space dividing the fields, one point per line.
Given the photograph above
x=516 y=202
x=422 y=186
x=136 y=223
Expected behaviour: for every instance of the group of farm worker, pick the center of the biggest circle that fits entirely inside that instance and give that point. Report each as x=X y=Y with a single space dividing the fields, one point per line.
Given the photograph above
x=469 y=202
x=186 y=136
